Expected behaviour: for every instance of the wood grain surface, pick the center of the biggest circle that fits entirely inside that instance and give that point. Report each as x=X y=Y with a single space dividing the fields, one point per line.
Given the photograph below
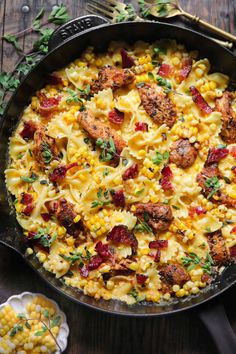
x=93 y=332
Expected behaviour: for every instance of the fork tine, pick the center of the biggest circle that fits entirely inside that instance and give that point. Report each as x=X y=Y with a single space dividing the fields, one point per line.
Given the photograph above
x=93 y=8
x=103 y=4
x=116 y=3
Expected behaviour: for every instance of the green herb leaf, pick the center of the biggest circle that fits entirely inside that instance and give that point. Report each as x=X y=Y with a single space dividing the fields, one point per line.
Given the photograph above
x=74 y=257
x=27 y=325
x=106 y=172
x=33 y=177
x=16 y=328
x=46 y=153
x=158 y=159
x=10 y=38
x=214 y=184
x=59 y=15
x=108 y=149
x=21 y=315
x=41 y=332
x=55 y=321
x=135 y=294
x=139 y=191
x=164 y=83
x=143 y=226
x=44 y=238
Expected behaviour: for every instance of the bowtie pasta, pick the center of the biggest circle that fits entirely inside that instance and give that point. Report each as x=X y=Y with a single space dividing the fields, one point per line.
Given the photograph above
x=122 y=170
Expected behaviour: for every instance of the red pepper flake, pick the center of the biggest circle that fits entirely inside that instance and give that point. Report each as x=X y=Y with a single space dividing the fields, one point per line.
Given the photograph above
x=141 y=278
x=103 y=249
x=141 y=126
x=216 y=154
x=199 y=100
x=233 y=169
x=127 y=61
x=165 y=70
x=121 y=234
x=196 y=210
x=165 y=181
x=95 y=262
x=158 y=244
x=118 y=198
x=186 y=68
x=158 y=256
x=26 y=198
x=131 y=172
x=59 y=173
x=232 y=251
x=28 y=209
x=53 y=79
x=84 y=271
x=29 y=129
x=233 y=230
x=46 y=217
x=233 y=151
x=116 y=117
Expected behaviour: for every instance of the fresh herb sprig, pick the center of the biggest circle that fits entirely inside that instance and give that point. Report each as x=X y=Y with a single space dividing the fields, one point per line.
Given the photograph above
x=142 y=226
x=128 y=14
x=44 y=238
x=161 y=7
x=108 y=149
x=193 y=260
x=25 y=321
x=100 y=201
x=214 y=184
x=10 y=81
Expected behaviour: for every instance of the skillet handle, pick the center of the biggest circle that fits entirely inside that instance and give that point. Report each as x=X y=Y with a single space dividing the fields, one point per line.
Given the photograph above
x=217 y=323
x=10 y=239
x=74 y=27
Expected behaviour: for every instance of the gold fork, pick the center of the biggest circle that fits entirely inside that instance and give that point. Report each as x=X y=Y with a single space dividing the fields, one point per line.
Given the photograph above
x=173 y=9
x=116 y=11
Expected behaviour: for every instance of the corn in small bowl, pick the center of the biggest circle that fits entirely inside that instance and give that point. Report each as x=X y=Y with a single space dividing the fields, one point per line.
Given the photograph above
x=31 y=323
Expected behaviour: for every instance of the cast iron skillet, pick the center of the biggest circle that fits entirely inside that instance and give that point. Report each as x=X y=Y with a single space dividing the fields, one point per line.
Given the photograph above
x=66 y=44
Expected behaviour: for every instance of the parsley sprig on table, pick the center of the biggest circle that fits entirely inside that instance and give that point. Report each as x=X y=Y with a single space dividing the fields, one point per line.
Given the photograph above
x=160 y=6
x=10 y=81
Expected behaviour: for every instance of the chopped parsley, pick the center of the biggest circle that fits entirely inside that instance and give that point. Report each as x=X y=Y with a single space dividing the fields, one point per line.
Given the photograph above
x=108 y=149
x=158 y=159
x=164 y=83
x=135 y=294
x=73 y=97
x=41 y=332
x=46 y=153
x=143 y=226
x=101 y=202
x=214 y=184
x=44 y=238
x=106 y=172
x=33 y=177
x=193 y=260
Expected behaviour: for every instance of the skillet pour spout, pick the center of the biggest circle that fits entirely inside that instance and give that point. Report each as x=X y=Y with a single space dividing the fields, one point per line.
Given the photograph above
x=66 y=45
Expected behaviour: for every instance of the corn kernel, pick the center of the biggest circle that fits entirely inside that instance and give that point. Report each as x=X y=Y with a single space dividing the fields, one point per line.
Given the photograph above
x=133 y=266
x=175 y=288
x=77 y=219
x=61 y=231
x=175 y=61
x=180 y=293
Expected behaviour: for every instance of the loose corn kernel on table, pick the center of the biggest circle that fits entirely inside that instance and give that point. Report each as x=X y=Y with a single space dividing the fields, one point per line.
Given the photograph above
x=93 y=332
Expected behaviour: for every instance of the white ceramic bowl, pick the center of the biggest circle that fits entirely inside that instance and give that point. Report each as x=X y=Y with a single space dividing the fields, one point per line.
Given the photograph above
x=19 y=302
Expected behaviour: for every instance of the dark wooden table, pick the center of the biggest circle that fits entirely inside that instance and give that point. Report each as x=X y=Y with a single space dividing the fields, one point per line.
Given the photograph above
x=93 y=332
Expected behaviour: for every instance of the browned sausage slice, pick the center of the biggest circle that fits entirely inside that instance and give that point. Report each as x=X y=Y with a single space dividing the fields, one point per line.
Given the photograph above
x=157 y=104
x=45 y=148
x=174 y=274
x=182 y=153
x=97 y=129
x=158 y=216
x=218 y=248
x=111 y=77
x=224 y=106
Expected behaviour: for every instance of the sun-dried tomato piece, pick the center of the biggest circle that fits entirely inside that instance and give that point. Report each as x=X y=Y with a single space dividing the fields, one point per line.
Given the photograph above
x=199 y=210
x=26 y=198
x=118 y=198
x=165 y=70
x=103 y=249
x=116 y=117
x=46 y=216
x=216 y=154
x=127 y=61
x=29 y=129
x=141 y=126
x=233 y=230
x=186 y=68
x=84 y=271
x=199 y=100
x=95 y=262
x=205 y=278
x=59 y=173
x=232 y=251
x=165 y=181
x=158 y=256
x=53 y=79
x=48 y=104
x=28 y=209
x=141 y=278
x=131 y=172
x=158 y=244
x=121 y=234
x=233 y=151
